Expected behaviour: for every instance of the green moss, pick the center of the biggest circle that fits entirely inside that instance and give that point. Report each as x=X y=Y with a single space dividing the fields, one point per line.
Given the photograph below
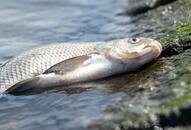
x=177 y=40
x=185 y=29
x=179 y=33
x=185 y=1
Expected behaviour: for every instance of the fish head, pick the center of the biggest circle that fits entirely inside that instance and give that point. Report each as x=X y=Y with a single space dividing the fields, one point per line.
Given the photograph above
x=136 y=49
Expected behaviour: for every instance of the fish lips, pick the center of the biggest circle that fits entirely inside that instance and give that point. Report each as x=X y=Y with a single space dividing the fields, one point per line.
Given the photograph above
x=155 y=47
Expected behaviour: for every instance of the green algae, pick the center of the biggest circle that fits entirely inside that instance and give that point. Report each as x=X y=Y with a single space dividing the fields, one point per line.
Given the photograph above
x=177 y=40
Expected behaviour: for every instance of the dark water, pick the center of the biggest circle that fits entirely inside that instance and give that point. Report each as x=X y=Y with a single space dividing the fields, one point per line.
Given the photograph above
x=25 y=24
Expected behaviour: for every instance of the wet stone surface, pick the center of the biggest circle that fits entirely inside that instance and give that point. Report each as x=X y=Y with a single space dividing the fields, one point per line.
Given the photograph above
x=156 y=96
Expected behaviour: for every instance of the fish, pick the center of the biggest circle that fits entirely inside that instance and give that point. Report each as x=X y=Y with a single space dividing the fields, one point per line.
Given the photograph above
x=122 y=56
x=34 y=62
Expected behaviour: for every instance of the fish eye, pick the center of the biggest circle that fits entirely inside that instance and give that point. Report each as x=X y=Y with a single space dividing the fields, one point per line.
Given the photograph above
x=134 y=40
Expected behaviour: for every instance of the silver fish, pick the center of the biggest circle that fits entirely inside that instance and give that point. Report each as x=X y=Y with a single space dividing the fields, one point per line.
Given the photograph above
x=124 y=55
x=37 y=60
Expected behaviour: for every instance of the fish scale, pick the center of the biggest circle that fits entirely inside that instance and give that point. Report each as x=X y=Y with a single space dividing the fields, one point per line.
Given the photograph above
x=36 y=61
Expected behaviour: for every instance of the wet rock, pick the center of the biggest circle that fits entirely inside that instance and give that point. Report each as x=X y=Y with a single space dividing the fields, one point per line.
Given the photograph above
x=177 y=40
x=179 y=128
x=164 y=99
x=140 y=7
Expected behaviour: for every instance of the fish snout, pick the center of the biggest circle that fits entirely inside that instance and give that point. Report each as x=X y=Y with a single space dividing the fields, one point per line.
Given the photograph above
x=156 y=48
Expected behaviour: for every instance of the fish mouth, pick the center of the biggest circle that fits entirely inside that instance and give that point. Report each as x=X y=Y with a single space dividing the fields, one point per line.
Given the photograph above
x=157 y=48
x=154 y=47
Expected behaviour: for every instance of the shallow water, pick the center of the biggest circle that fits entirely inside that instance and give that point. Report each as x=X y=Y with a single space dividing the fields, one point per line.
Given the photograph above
x=27 y=24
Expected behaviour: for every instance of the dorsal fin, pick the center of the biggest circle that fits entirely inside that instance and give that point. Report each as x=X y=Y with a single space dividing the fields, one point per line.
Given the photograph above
x=67 y=65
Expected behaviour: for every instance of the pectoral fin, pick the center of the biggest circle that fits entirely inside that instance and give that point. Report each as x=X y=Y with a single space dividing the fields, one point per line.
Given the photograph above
x=23 y=86
x=67 y=65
